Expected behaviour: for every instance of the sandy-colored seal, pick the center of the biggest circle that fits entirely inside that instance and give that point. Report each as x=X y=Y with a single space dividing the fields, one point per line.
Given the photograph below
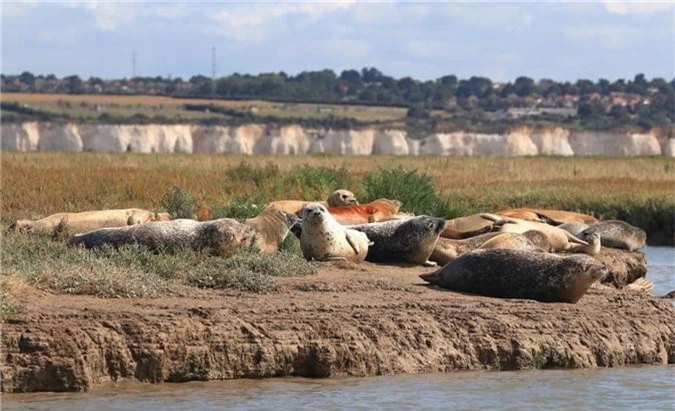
x=447 y=249
x=272 y=227
x=324 y=239
x=532 y=240
x=340 y=198
x=468 y=226
x=548 y=215
x=403 y=241
x=618 y=234
x=222 y=237
x=378 y=210
x=559 y=239
x=89 y=220
x=337 y=198
x=520 y=274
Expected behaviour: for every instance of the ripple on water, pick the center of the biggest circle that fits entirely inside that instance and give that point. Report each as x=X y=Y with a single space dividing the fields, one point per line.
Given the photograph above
x=621 y=388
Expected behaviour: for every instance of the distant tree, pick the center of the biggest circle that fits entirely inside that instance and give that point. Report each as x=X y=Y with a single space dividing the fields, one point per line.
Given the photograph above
x=371 y=75
x=524 y=86
x=569 y=89
x=27 y=78
x=351 y=76
x=450 y=80
x=480 y=86
x=199 y=79
x=585 y=87
x=619 y=86
x=619 y=113
x=604 y=87
x=418 y=111
x=73 y=84
x=590 y=109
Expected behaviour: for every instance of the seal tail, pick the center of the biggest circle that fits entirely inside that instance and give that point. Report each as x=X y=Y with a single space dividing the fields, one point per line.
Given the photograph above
x=432 y=277
x=641 y=285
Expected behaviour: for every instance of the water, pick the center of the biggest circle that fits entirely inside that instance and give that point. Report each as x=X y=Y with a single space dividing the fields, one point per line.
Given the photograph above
x=648 y=388
x=661 y=268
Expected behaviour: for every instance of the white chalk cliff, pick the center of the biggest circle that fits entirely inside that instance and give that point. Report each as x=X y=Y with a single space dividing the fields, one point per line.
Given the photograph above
x=293 y=139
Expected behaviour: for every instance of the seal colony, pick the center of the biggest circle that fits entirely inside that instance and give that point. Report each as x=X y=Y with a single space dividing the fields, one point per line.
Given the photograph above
x=507 y=254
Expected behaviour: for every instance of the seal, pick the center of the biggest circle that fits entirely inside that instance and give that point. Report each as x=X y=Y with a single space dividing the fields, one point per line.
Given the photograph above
x=222 y=237
x=669 y=295
x=559 y=239
x=89 y=220
x=271 y=226
x=574 y=228
x=403 y=241
x=550 y=216
x=378 y=210
x=337 y=198
x=324 y=239
x=447 y=249
x=520 y=274
x=618 y=234
x=468 y=226
x=531 y=240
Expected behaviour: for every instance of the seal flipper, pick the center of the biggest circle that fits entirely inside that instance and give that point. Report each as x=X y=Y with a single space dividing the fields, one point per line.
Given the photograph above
x=353 y=242
x=573 y=239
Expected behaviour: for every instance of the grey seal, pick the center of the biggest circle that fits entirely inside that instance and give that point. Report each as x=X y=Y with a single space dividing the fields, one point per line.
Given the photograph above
x=520 y=274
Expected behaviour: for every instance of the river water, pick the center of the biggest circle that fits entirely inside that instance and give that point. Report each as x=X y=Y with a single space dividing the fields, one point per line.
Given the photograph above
x=646 y=387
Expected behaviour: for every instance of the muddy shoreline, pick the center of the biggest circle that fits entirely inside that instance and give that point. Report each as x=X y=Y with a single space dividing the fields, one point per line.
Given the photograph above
x=361 y=321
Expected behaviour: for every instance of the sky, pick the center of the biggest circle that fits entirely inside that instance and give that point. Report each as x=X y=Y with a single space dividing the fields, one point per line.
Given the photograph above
x=563 y=40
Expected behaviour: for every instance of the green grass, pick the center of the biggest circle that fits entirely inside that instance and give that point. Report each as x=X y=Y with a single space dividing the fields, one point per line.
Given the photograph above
x=132 y=271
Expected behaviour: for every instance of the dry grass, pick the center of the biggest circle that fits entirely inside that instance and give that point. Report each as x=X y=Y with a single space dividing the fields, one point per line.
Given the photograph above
x=38 y=184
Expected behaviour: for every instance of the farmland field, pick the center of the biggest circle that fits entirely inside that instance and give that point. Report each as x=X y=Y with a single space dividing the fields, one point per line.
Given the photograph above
x=82 y=106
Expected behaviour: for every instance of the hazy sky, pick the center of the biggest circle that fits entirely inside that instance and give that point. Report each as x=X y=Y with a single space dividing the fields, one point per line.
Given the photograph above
x=501 y=40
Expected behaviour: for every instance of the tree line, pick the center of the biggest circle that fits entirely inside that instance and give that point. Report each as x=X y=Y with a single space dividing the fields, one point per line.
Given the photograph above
x=602 y=103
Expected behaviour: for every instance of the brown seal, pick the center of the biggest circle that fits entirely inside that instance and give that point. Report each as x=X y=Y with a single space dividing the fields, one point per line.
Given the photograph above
x=468 y=226
x=272 y=227
x=532 y=240
x=378 y=210
x=89 y=220
x=337 y=198
x=559 y=239
x=520 y=274
x=548 y=215
x=447 y=249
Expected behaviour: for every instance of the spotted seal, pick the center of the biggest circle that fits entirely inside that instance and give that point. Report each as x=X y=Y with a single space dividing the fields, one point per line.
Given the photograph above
x=324 y=239
x=618 y=234
x=520 y=274
x=403 y=241
x=222 y=237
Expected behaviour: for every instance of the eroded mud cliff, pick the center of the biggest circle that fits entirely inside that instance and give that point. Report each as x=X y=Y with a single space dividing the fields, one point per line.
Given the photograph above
x=359 y=320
